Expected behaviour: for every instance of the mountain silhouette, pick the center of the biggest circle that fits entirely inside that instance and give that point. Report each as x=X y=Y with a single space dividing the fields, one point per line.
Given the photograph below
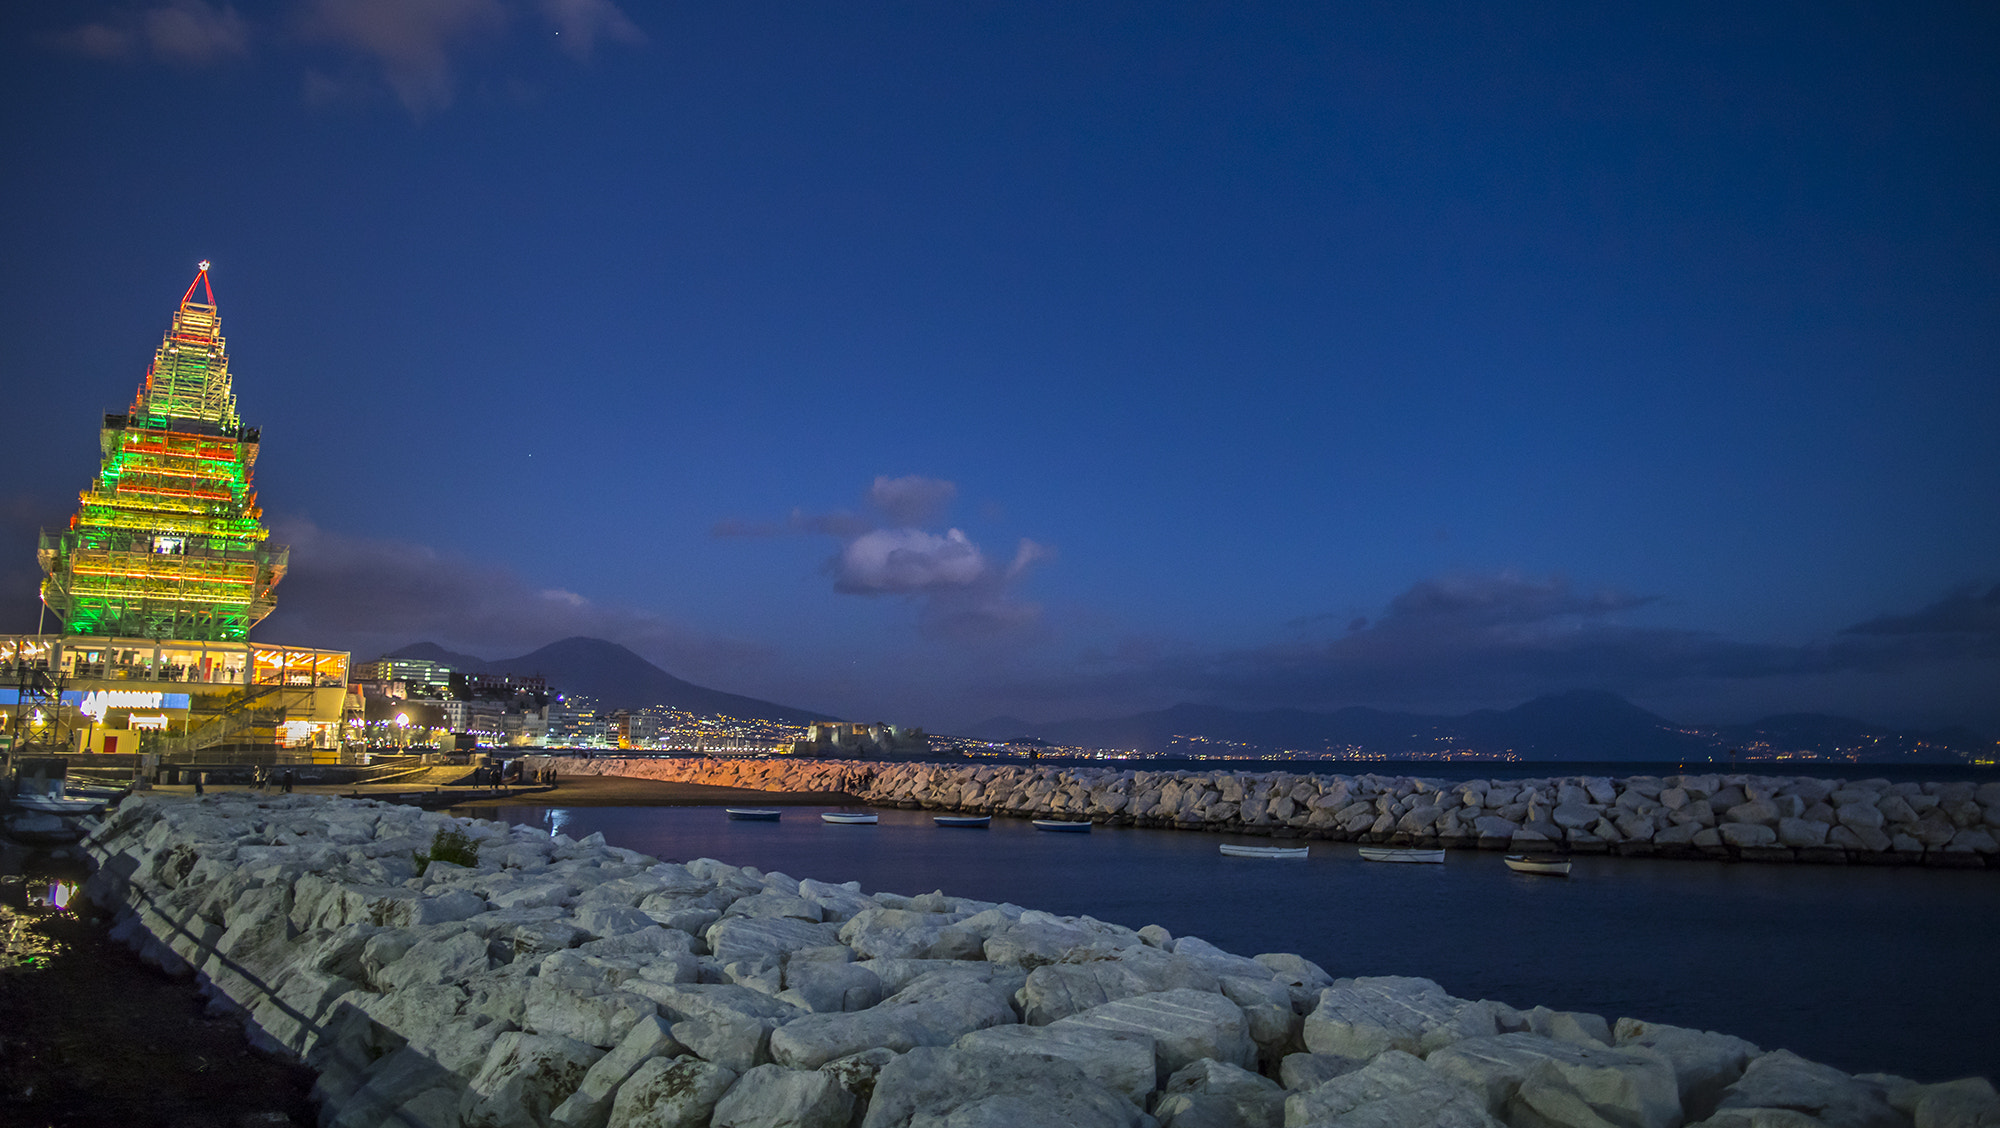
x=615 y=676
x=1578 y=725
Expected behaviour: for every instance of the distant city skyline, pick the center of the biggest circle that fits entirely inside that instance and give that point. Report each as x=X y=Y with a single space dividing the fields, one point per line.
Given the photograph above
x=932 y=365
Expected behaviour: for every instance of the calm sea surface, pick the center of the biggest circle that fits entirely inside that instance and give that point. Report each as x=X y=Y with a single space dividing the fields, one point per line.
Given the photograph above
x=1868 y=969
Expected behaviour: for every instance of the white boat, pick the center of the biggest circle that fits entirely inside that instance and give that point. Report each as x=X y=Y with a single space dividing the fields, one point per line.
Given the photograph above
x=969 y=822
x=1554 y=865
x=1069 y=825
x=1399 y=854
x=754 y=814
x=845 y=819
x=1234 y=851
x=57 y=804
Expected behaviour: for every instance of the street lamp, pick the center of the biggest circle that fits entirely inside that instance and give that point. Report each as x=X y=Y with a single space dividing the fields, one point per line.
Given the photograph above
x=403 y=732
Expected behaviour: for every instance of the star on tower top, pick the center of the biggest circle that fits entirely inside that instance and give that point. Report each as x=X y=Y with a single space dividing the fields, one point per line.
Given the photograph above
x=202 y=265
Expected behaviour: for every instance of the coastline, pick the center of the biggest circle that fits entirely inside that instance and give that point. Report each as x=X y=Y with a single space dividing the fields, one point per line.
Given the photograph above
x=576 y=983
x=581 y=790
x=1745 y=817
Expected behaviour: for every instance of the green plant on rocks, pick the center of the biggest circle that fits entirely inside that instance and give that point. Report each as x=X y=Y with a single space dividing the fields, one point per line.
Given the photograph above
x=449 y=845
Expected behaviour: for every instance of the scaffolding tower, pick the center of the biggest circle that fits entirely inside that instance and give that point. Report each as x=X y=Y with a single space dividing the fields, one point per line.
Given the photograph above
x=169 y=542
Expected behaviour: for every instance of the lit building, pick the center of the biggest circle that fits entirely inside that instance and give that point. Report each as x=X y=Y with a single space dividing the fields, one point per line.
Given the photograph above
x=846 y=738
x=160 y=576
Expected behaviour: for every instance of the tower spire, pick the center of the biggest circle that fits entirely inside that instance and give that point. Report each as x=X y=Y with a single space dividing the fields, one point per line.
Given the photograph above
x=189 y=376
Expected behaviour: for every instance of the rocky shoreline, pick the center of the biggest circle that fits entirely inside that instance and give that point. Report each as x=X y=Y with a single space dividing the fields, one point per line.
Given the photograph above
x=1741 y=817
x=555 y=982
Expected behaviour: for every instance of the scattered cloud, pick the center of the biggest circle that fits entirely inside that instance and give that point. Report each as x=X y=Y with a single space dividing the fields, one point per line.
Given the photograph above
x=193 y=33
x=411 y=41
x=373 y=596
x=1963 y=612
x=183 y=32
x=580 y=23
x=1463 y=641
x=411 y=47
x=966 y=594
x=912 y=500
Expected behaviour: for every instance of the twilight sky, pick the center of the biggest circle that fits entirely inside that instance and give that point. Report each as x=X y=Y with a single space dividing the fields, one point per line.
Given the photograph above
x=924 y=362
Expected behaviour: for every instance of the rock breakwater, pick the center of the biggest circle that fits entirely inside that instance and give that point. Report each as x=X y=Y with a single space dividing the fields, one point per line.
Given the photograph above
x=556 y=982
x=1746 y=817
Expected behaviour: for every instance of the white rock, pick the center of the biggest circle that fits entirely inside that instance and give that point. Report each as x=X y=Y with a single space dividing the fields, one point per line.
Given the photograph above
x=938 y=1086
x=1364 y=1017
x=670 y=1093
x=1569 y=1026
x=1783 y=1080
x=771 y=1096
x=1704 y=1063
x=1059 y=990
x=934 y=1011
x=1185 y=1026
x=583 y=1008
x=1213 y=1094
x=590 y=1105
x=1393 y=1091
x=1121 y=1061
x=524 y=1077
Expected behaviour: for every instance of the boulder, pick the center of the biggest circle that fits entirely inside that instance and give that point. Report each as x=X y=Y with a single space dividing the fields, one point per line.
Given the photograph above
x=1361 y=1018
x=827 y=985
x=771 y=1096
x=525 y=1076
x=1747 y=834
x=670 y=1093
x=1307 y=1071
x=1214 y=1094
x=1058 y=990
x=590 y=1105
x=1783 y=1080
x=1185 y=1026
x=755 y=939
x=934 y=1011
x=582 y=1008
x=1393 y=1091
x=1577 y=1027
x=1704 y=1063
x=937 y=1086
x=1121 y=1061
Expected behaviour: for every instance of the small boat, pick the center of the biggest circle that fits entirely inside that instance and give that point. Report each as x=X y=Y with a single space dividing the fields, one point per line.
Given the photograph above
x=57 y=804
x=754 y=814
x=36 y=828
x=841 y=818
x=1062 y=825
x=969 y=822
x=91 y=791
x=1234 y=851
x=1554 y=865
x=1398 y=854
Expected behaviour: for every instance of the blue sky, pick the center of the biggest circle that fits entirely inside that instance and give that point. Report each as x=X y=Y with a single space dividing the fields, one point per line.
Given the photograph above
x=1426 y=357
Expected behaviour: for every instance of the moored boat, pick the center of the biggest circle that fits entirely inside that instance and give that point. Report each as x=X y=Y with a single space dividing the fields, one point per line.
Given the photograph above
x=1401 y=854
x=754 y=814
x=38 y=828
x=1235 y=851
x=846 y=818
x=57 y=804
x=1065 y=825
x=1553 y=865
x=968 y=822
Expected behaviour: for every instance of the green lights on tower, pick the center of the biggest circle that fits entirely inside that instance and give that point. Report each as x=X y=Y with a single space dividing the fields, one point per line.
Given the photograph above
x=169 y=542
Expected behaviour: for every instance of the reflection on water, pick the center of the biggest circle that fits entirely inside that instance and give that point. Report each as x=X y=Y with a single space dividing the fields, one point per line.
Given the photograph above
x=1862 y=967
x=43 y=887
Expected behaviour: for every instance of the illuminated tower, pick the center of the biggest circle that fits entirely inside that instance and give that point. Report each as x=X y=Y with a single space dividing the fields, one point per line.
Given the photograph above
x=167 y=544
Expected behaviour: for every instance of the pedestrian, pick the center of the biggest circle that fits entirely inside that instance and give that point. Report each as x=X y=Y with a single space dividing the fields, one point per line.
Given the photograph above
x=198 y=778
x=288 y=781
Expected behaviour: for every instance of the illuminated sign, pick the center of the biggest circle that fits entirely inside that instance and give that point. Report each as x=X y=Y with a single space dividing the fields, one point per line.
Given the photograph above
x=156 y=721
x=96 y=702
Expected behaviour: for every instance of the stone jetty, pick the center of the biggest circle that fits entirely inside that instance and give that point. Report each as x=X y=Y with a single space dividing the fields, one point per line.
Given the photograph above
x=1745 y=817
x=544 y=981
